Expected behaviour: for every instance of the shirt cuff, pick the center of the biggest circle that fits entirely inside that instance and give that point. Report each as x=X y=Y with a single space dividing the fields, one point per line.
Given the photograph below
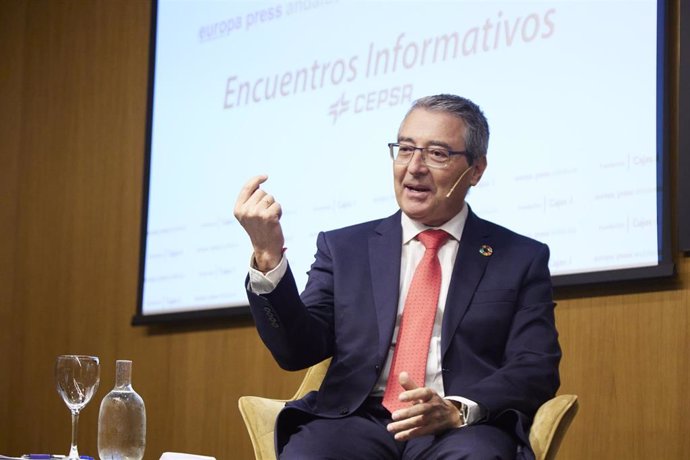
x=260 y=283
x=472 y=412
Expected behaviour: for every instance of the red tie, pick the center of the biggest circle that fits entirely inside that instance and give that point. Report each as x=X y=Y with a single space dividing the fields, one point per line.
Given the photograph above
x=412 y=348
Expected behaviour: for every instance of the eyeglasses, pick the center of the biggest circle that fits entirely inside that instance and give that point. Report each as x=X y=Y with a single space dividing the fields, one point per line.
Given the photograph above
x=433 y=157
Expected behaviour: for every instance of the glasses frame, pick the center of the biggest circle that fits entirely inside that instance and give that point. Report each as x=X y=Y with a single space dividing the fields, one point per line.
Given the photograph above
x=424 y=151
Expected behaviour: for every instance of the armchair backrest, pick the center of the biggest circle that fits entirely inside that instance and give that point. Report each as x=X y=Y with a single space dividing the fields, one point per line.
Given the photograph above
x=313 y=378
x=550 y=425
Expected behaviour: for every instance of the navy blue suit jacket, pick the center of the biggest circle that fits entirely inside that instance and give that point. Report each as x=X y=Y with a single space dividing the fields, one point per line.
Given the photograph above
x=499 y=343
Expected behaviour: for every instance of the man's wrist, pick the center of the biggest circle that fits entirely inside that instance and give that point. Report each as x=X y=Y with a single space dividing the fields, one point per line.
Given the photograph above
x=265 y=262
x=263 y=283
x=471 y=410
x=463 y=412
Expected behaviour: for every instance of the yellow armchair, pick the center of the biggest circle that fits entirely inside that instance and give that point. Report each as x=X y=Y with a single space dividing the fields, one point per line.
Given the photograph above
x=550 y=423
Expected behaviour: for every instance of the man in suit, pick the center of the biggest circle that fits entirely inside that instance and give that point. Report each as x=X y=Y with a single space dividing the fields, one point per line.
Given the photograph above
x=491 y=353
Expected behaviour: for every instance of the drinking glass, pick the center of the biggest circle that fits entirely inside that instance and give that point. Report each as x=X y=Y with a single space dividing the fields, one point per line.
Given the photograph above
x=77 y=378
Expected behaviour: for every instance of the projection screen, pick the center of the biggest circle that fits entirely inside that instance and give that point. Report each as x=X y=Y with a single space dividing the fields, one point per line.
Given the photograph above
x=310 y=93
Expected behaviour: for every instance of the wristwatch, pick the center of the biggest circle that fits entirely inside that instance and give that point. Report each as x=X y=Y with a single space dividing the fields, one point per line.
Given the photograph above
x=464 y=413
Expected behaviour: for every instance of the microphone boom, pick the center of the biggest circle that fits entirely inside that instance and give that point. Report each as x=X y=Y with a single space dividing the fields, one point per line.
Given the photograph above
x=458 y=181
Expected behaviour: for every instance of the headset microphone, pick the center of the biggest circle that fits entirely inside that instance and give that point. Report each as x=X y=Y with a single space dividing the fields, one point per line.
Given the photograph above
x=458 y=181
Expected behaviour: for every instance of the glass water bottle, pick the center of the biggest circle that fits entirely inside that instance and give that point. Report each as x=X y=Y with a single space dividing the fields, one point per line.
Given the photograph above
x=122 y=419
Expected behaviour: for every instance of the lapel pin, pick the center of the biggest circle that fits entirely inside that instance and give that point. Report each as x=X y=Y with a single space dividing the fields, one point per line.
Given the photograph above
x=486 y=250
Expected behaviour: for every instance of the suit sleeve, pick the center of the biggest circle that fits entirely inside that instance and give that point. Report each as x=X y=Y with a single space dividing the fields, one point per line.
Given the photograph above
x=298 y=334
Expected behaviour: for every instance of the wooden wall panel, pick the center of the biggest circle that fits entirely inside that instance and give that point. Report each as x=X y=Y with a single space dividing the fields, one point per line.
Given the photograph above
x=625 y=355
x=11 y=75
x=72 y=130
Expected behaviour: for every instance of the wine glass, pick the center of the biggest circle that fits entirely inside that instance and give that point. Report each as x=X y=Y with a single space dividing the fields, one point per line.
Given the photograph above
x=77 y=378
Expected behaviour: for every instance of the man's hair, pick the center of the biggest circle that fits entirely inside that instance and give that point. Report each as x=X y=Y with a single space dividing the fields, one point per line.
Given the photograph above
x=477 y=135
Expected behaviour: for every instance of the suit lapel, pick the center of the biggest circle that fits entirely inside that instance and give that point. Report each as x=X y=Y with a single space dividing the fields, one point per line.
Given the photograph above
x=467 y=272
x=385 y=248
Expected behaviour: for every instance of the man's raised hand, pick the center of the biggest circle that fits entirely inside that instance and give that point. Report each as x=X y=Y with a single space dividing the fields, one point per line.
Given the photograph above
x=259 y=214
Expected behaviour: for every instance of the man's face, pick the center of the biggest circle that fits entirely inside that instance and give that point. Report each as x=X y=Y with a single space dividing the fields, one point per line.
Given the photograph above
x=421 y=191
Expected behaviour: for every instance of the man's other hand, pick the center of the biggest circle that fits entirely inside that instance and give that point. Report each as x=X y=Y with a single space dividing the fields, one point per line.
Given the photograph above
x=428 y=414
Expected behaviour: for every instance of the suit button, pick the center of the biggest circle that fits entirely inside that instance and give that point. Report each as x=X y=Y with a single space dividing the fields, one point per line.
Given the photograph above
x=344 y=411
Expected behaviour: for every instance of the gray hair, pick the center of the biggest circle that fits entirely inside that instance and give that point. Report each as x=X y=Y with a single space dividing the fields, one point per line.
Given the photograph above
x=477 y=133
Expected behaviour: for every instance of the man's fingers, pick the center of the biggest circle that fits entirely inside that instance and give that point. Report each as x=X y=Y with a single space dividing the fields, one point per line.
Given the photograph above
x=412 y=427
x=413 y=393
x=406 y=435
x=253 y=203
x=276 y=209
x=273 y=212
x=251 y=186
x=408 y=413
x=267 y=200
x=407 y=424
x=412 y=433
x=406 y=382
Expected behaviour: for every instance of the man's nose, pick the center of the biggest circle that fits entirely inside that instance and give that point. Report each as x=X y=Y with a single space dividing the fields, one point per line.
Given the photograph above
x=417 y=164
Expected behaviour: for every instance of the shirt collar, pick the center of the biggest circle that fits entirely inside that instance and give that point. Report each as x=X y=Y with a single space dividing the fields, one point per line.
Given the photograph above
x=454 y=227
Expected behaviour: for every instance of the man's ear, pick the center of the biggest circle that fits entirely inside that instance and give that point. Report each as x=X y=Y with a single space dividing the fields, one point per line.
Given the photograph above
x=478 y=170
